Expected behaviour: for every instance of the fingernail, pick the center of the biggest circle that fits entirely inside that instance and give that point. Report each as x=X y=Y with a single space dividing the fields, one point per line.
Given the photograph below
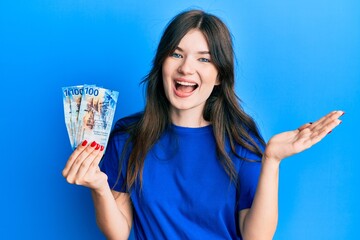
x=93 y=144
x=329 y=132
x=84 y=143
x=343 y=114
x=101 y=148
x=97 y=146
x=310 y=122
x=340 y=122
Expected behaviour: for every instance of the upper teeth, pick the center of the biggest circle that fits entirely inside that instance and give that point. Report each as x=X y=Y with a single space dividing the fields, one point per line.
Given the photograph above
x=186 y=83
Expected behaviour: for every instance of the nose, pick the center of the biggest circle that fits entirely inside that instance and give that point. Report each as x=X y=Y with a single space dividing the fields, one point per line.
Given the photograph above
x=186 y=67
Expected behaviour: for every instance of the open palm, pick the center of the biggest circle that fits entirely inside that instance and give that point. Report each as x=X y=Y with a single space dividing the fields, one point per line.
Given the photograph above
x=289 y=143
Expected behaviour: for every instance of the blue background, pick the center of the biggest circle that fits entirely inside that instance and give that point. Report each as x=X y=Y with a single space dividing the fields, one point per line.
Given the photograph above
x=296 y=61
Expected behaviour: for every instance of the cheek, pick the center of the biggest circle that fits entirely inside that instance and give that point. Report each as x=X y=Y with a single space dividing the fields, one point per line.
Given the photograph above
x=217 y=81
x=167 y=71
x=216 y=77
x=165 y=79
x=212 y=77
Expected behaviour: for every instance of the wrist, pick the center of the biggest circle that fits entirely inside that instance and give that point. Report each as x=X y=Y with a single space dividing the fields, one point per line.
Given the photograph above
x=101 y=190
x=271 y=162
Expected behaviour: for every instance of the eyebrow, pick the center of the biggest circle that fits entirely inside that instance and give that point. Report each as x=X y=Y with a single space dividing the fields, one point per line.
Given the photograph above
x=199 y=52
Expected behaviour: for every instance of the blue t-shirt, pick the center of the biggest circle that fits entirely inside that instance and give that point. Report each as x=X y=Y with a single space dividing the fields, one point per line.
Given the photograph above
x=186 y=193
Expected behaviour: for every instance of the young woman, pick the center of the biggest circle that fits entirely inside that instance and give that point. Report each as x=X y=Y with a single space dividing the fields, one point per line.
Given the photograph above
x=192 y=165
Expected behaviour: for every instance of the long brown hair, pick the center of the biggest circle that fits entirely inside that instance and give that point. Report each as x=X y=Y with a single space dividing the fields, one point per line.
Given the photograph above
x=222 y=108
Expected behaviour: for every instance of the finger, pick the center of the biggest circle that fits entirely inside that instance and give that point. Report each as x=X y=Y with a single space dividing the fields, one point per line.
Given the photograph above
x=311 y=135
x=84 y=155
x=327 y=127
x=304 y=126
x=92 y=161
x=318 y=135
x=93 y=170
x=87 y=155
x=79 y=149
x=327 y=118
x=93 y=173
x=332 y=118
x=95 y=163
x=99 y=157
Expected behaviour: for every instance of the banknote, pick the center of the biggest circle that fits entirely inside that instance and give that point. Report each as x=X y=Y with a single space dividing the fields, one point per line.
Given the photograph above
x=67 y=114
x=96 y=114
x=75 y=94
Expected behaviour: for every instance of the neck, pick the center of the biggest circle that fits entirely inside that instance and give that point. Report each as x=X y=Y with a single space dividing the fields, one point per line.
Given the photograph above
x=188 y=118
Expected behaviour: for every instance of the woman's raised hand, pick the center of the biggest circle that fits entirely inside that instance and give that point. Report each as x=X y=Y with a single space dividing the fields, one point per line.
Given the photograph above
x=289 y=143
x=82 y=167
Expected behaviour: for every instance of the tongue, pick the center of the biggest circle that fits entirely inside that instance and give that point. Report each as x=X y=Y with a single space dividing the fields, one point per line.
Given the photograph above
x=186 y=89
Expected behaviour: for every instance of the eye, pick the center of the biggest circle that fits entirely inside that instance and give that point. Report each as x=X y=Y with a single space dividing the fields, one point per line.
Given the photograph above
x=204 y=60
x=175 y=55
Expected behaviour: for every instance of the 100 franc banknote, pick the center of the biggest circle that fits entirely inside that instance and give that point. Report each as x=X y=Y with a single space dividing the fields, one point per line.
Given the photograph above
x=96 y=114
x=72 y=100
x=67 y=113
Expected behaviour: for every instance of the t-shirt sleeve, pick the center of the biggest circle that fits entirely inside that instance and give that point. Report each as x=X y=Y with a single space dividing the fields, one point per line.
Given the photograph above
x=112 y=161
x=249 y=173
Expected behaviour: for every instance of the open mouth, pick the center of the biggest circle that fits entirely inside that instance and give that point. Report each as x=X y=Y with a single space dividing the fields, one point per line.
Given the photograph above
x=185 y=87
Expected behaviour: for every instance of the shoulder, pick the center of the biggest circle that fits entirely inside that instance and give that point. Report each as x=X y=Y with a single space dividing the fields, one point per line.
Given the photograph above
x=120 y=137
x=123 y=128
x=251 y=146
x=123 y=124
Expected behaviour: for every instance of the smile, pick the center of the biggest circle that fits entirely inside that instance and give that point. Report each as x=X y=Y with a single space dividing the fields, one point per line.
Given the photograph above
x=185 y=87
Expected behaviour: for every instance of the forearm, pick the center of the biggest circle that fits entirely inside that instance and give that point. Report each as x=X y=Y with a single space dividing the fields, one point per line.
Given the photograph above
x=261 y=220
x=111 y=221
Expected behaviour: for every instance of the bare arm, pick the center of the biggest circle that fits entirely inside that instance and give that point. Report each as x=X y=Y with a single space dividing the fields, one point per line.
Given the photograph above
x=260 y=221
x=113 y=209
x=113 y=213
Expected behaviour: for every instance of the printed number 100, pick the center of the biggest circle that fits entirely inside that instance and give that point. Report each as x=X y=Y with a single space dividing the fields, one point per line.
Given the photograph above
x=91 y=91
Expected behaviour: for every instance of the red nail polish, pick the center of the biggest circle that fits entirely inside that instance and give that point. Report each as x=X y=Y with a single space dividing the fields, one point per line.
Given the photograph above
x=97 y=146
x=84 y=143
x=310 y=122
x=342 y=113
x=93 y=144
x=101 y=148
x=329 y=132
x=340 y=122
